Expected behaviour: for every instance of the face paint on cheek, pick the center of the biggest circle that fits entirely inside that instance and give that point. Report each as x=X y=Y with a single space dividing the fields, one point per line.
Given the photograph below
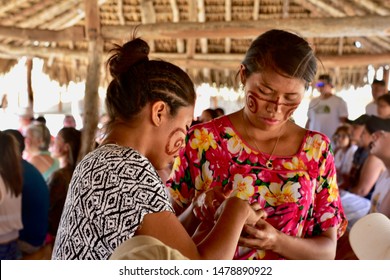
x=175 y=141
x=290 y=111
x=252 y=103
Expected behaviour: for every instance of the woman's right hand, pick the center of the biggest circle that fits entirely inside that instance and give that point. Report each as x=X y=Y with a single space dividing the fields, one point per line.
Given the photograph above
x=254 y=212
x=206 y=204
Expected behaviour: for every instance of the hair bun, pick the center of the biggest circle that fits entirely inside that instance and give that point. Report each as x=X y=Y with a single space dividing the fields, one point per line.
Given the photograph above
x=133 y=52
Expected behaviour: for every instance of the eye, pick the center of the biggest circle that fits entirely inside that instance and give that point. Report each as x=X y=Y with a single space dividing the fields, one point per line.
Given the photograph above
x=291 y=97
x=265 y=91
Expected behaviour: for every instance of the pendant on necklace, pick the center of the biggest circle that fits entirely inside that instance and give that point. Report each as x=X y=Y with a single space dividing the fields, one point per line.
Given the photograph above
x=268 y=164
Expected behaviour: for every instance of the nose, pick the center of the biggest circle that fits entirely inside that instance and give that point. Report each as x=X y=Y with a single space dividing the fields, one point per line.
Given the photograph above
x=273 y=106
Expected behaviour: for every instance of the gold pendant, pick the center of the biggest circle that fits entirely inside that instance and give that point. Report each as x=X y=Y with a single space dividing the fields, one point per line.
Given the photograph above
x=269 y=164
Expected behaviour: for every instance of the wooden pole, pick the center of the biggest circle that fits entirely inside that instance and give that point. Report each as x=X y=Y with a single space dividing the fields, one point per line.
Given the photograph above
x=30 y=93
x=91 y=99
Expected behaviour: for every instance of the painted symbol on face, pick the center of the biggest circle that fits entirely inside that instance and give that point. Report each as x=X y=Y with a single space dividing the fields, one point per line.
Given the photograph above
x=253 y=100
x=176 y=141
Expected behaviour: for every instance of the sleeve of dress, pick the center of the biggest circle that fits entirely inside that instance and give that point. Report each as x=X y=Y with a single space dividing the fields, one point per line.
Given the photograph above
x=328 y=210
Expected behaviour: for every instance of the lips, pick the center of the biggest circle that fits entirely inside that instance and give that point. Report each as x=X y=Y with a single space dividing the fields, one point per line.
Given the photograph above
x=271 y=120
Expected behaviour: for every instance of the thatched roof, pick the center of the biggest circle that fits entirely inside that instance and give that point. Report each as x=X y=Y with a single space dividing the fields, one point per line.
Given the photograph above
x=206 y=37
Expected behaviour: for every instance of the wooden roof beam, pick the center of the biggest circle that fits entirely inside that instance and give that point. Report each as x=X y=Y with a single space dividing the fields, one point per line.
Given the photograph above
x=307 y=27
x=215 y=61
x=75 y=33
x=366 y=26
x=373 y=7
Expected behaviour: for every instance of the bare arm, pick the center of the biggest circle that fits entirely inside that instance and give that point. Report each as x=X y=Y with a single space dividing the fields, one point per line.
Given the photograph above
x=369 y=174
x=384 y=207
x=203 y=207
x=219 y=244
x=265 y=237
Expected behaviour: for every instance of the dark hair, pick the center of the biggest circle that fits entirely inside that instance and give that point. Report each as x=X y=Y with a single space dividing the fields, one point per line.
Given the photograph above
x=385 y=97
x=138 y=81
x=379 y=82
x=375 y=123
x=10 y=163
x=18 y=136
x=219 y=111
x=211 y=112
x=41 y=119
x=72 y=137
x=325 y=77
x=284 y=52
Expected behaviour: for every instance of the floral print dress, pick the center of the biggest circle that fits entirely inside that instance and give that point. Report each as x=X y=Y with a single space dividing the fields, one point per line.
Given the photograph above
x=300 y=193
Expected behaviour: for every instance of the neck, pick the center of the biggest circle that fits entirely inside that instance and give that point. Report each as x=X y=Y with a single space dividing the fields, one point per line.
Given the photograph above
x=268 y=163
x=326 y=95
x=125 y=135
x=63 y=161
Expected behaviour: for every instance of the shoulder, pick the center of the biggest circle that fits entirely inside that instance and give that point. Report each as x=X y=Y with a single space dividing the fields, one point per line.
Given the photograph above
x=214 y=126
x=338 y=99
x=113 y=152
x=315 y=139
x=31 y=175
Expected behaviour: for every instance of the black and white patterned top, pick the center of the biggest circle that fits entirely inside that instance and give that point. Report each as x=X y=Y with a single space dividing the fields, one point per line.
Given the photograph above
x=111 y=191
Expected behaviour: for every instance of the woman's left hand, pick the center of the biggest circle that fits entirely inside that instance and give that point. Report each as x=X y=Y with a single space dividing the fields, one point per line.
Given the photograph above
x=262 y=236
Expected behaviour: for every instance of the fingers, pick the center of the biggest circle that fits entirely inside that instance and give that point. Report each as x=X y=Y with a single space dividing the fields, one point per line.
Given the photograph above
x=228 y=189
x=261 y=213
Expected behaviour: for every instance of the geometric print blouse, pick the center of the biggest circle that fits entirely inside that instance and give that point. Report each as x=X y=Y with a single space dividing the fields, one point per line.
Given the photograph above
x=111 y=191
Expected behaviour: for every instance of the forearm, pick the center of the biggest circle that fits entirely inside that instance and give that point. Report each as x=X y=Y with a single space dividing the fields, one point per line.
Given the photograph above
x=188 y=220
x=319 y=247
x=384 y=207
x=361 y=190
x=222 y=241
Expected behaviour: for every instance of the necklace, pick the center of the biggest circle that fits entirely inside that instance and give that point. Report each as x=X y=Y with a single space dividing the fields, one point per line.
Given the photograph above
x=268 y=163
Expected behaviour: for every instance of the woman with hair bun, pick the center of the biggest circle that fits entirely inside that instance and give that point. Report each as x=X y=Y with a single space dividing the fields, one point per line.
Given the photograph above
x=115 y=192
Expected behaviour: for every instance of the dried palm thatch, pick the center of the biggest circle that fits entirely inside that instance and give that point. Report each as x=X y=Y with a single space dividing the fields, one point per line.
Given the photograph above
x=206 y=37
x=7 y=64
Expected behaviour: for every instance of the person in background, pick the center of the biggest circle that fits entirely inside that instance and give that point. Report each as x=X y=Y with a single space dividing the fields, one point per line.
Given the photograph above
x=11 y=180
x=360 y=207
x=364 y=181
x=344 y=152
x=26 y=117
x=356 y=198
x=40 y=120
x=383 y=106
x=360 y=155
x=380 y=199
x=219 y=111
x=207 y=115
x=263 y=158
x=115 y=192
x=35 y=204
x=37 y=141
x=378 y=88
x=66 y=148
x=327 y=111
x=69 y=121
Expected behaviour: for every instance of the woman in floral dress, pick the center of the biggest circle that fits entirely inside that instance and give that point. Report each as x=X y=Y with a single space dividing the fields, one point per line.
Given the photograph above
x=260 y=155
